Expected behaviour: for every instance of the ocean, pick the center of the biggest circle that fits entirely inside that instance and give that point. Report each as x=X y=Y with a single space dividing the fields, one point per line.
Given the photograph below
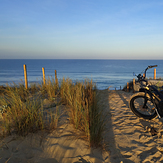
x=105 y=73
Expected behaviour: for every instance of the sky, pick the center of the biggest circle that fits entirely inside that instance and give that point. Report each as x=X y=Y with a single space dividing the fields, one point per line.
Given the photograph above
x=81 y=29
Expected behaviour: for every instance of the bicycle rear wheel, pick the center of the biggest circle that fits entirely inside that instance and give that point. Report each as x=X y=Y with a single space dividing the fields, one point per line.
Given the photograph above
x=141 y=105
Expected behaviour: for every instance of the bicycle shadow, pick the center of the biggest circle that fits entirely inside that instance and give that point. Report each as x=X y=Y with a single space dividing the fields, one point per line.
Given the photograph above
x=145 y=122
x=154 y=126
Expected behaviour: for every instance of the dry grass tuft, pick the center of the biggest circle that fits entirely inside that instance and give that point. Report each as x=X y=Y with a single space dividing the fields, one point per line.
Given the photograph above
x=84 y=112
x=23 y=110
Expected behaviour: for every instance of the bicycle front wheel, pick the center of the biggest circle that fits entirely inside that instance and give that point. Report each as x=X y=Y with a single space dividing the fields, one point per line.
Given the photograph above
x=141 y=105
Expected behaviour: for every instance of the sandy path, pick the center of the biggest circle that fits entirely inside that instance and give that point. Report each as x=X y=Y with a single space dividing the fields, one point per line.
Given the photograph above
x=126 y=139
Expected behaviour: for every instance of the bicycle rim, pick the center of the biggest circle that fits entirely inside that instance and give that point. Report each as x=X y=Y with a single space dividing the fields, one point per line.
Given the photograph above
x=142 y=106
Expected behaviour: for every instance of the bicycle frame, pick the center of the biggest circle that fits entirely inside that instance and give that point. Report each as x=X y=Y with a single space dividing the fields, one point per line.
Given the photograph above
x=155 y=96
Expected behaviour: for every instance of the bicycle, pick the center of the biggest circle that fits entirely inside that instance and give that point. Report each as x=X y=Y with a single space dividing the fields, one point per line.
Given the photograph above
x=148 y=102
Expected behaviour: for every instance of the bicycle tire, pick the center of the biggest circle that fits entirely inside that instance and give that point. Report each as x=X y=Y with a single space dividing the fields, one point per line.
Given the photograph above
x=137 y=103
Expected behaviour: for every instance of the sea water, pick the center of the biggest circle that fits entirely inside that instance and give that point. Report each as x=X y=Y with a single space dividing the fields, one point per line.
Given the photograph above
x=105 y=73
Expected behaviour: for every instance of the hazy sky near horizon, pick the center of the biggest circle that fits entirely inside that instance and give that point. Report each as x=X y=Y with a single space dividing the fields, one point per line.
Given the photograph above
x=81 y=29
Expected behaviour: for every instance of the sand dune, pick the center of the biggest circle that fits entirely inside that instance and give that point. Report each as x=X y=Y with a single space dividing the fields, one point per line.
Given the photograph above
x=126 y=139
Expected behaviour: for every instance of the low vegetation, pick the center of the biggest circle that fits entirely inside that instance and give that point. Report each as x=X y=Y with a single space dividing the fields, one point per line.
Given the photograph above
x=23 y=112
x=158 y=85
x=84 y=112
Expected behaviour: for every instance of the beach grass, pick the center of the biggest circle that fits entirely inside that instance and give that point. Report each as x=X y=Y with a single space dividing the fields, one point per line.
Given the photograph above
x=24 y=112
x=84 y=112
x=21 y=114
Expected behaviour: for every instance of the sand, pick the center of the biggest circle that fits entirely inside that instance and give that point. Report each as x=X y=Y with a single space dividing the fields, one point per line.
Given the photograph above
x=126 y=139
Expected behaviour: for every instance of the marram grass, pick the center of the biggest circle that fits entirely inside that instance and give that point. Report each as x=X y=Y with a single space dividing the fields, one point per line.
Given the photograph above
x=25 y=111
x=84 y=112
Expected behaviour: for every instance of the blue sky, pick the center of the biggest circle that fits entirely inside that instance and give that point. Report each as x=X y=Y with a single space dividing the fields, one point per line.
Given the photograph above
x=81 y=29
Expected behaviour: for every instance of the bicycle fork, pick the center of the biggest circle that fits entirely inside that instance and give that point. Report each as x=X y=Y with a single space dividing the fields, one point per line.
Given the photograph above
x=152 y=99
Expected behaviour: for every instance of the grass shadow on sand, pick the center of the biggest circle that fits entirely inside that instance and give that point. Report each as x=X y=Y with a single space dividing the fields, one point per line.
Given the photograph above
x=109 y=137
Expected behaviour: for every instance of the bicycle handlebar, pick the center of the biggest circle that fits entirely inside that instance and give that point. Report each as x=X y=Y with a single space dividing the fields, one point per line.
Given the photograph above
x=152 y=66
x=140 y=77
x=149 y=68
